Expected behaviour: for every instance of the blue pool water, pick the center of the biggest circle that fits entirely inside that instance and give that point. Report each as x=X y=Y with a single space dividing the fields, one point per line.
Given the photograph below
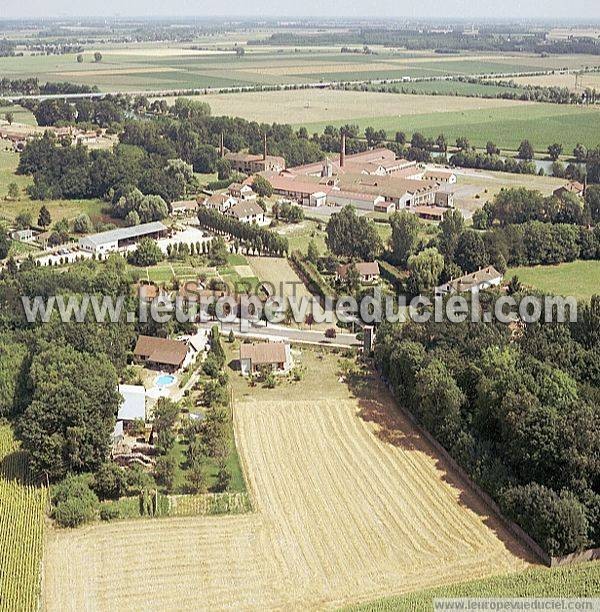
x=165 y=380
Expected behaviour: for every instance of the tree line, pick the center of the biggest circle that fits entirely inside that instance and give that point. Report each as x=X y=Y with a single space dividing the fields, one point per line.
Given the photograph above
x=248 y=235
x=521 y=416
x=62 y=170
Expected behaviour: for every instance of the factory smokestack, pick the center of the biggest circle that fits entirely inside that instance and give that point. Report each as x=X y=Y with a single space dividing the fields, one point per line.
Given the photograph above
x=222 y=146
x=265 y=147
x=343 y=151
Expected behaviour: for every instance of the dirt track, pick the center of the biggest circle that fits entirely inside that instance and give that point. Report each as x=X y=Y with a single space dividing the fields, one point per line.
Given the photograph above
x=351 y=504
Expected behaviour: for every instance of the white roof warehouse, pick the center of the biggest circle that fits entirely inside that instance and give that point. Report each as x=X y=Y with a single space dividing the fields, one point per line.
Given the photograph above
x=116 y=239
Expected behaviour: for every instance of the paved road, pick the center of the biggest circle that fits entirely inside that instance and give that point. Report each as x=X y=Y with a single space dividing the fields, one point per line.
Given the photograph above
x=279 y=332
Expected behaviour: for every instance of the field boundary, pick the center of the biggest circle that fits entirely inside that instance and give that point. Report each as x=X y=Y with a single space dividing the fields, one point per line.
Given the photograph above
x=590 y=554
x=514 y=529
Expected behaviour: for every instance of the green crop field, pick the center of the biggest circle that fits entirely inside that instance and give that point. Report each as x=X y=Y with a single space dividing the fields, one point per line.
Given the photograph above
x=22 y=512
x=580 y=279
x=571 y=581
x=20 y=114
x=157 y=67
x=542 y=124
x=320 y=107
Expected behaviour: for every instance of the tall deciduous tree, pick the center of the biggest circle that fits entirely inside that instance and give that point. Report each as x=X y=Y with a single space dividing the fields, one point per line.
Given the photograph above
x=425 y=269
x=67 y=426
x=352 y=236
x=470 y=254
x=405 y=236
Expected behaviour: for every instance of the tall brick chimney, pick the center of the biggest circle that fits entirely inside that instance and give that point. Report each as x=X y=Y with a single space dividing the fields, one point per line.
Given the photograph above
x=222 y=146
x=265 y=147
x=343 y=151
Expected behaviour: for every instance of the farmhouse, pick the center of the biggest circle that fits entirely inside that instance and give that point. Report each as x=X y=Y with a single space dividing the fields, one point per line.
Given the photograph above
x=133 y=407
x=220 y=202
x=482 y=279
x=160 y=352
x=368 y=271
x=246 y=212
x=273 y=356
x=120 y=238
x=574 y=187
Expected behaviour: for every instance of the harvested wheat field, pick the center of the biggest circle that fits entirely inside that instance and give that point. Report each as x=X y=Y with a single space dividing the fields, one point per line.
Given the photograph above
x=351 y=504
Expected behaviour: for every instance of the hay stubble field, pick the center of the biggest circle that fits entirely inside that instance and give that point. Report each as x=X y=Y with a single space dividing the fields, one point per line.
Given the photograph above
x=350 y=504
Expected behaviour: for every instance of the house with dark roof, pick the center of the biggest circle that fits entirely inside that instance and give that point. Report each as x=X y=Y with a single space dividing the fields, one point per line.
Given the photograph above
x=241 y=191
x=574 y=187
x=160 y=352
x=270 y=356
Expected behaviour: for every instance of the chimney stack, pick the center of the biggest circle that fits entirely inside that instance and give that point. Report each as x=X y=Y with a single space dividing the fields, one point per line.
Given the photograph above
x=222 y=147
x=343 y=151
x=265 y=147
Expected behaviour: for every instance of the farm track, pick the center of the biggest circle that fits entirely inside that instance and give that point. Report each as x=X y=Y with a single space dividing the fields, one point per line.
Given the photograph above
x=351 y=504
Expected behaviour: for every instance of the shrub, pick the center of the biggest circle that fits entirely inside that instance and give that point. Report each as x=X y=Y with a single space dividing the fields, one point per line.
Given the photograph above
x=74 y=512
x=109 y=481
x=138 y=479
x=270 y=381
x=110 y=512
x=75 y=503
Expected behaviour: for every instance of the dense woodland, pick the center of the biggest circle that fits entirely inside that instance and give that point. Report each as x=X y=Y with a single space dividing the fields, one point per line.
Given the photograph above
x=489 y=38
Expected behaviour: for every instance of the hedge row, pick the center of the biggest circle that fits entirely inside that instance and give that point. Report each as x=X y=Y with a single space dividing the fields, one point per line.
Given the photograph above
x=312 y=277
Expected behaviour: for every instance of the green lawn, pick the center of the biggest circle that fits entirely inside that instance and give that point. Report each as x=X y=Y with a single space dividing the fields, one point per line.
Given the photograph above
x=300 y=234
x=581 y=279
x=21 y=248
x=571 y=581
x=20 y=114
x=542 y=124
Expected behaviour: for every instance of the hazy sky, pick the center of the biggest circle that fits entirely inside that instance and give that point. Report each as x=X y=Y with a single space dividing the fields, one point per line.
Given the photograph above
x=542 y=9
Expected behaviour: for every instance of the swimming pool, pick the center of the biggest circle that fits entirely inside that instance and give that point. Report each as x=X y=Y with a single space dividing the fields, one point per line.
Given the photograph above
x=165 y=380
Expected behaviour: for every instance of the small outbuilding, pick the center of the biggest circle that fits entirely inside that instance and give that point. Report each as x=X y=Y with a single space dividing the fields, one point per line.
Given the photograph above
x=133 y=407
